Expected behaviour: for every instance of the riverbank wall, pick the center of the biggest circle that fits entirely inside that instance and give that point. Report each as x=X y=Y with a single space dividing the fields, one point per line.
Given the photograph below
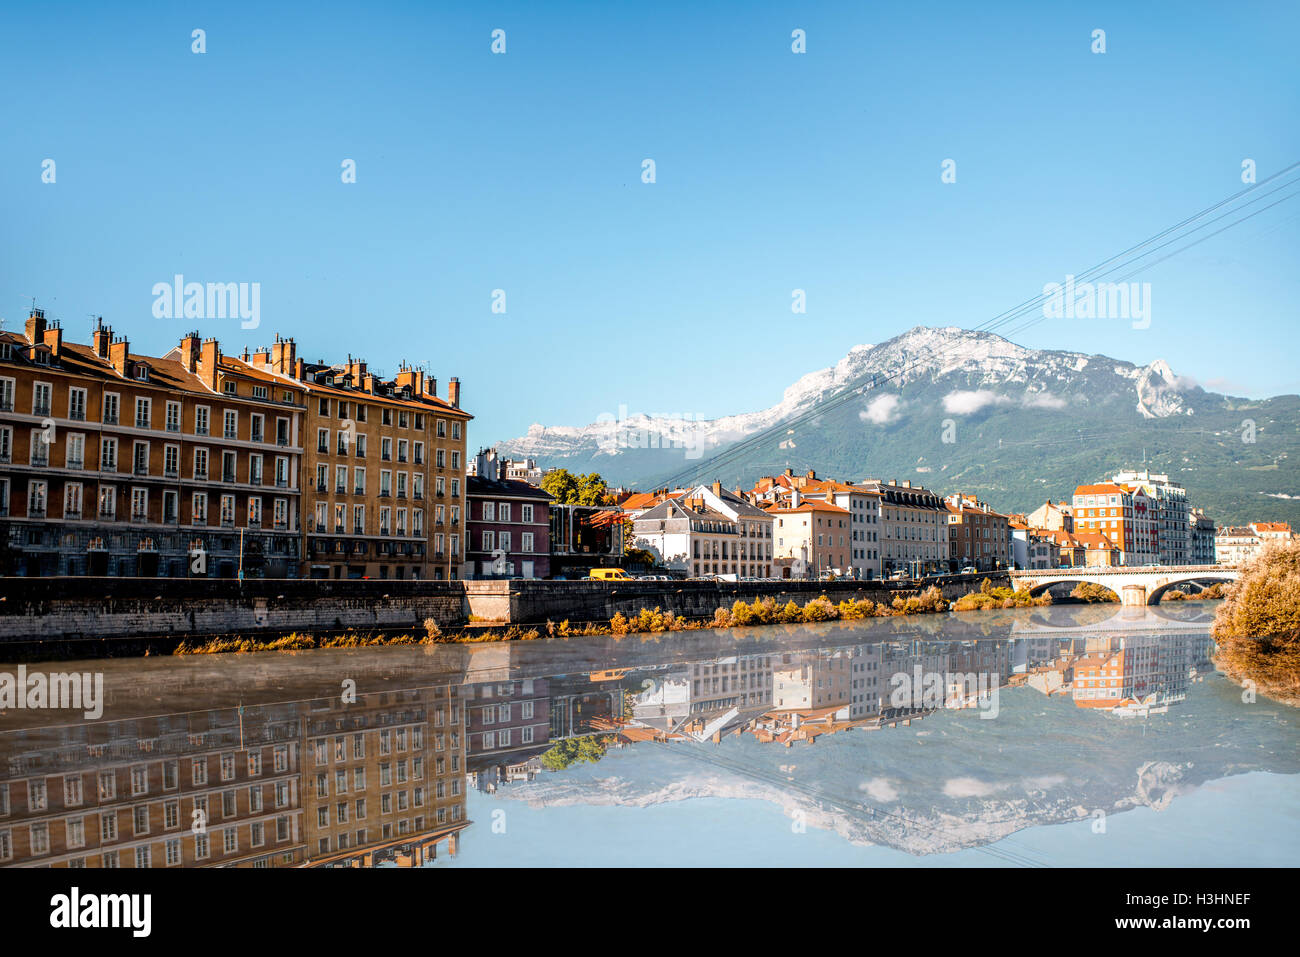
x=81 y=609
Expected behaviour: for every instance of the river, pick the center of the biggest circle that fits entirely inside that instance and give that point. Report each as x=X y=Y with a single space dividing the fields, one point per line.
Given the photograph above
x=957 y=739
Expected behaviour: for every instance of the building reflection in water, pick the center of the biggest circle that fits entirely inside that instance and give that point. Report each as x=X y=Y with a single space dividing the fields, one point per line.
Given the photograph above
x=382 y=777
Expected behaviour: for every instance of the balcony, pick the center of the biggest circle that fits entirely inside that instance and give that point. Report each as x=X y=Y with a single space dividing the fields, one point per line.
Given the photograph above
x=418 y=496
x=281 y=524
x=385 y=493
x=358 y=530
x=254 y=523
x=110 y=418
x=282 y=483
x=40 y=408
x=200 y=475
x=322 y=448
x=75 y=463
x=257 y=437
x=319 y=526
x=338 y=528
x=200 y=430
x=77 y=415
x=36 y=510
x=383 y=530
x=282 y=441
x=340 y=490
x=171 y=473
x=140 y=469
x=141 y=422
x=228 y=477
x=320 y=486
x=72 y=513
x=255 y=479
x=359 y=490
x=40 y=460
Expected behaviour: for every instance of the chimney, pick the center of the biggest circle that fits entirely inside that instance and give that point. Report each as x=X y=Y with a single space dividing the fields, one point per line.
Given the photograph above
x=209 y=359
x=101 y=337
x=299 y=369
x=407 y=378
x=118 y=350
x=368 y=383
x=261 y=358
x=717 y=489
x=190 y=351
x=453 y=392
x=433 y=386
x=36 y=325
x=283 y=354
x=53 y=338
x=794 y=498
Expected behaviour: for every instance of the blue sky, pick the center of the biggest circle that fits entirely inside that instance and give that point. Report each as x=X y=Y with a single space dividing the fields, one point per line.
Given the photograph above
x=521 y=172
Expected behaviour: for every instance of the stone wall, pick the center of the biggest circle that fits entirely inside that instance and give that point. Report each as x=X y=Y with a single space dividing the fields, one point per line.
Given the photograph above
x=39 y=609
x=78 y=609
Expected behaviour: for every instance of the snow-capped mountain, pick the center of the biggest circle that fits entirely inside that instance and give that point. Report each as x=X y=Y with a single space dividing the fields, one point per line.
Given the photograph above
x=1010 y=414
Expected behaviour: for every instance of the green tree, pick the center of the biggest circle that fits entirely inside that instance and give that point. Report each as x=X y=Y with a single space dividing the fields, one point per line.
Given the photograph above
x=561 y=485
x=569 y=489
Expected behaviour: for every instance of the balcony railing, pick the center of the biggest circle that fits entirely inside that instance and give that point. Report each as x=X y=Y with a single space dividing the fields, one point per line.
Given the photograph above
x=358 y=530
x=76 y=463
x=77 y=415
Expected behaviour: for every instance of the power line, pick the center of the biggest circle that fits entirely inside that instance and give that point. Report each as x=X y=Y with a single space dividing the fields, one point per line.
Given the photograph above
x=860 y=384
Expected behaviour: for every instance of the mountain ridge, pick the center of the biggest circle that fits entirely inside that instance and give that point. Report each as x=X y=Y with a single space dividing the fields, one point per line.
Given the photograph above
x=921 y=395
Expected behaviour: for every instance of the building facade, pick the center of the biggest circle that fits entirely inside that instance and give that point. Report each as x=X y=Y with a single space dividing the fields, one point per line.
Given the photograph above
x=509 y=531
x=978 y=537
x=913 y=528
x=116 y=463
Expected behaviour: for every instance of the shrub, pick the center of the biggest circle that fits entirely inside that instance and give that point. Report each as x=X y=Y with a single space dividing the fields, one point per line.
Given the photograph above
x=1258 y=626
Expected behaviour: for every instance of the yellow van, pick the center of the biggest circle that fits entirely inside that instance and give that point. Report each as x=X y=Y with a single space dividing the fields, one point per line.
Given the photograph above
x=610 y=575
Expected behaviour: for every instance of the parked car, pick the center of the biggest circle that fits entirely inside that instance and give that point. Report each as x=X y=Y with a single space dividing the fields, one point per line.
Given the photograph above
x=970 y=570
x=610 y=575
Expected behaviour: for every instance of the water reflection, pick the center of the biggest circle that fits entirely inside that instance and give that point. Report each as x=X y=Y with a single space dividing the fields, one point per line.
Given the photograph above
x=932 y=734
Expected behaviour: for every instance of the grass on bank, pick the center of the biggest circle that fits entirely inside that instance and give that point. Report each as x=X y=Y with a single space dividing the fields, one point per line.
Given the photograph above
x=762 y=611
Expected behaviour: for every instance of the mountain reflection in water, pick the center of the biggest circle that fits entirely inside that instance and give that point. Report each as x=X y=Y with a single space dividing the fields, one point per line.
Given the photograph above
x=924 y=734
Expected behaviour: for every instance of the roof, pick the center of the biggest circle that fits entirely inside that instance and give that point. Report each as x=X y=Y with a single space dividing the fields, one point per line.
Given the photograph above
x=1106 y=488
x=477 y=485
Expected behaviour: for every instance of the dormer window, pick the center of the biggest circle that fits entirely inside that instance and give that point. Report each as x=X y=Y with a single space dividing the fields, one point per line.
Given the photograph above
x=41 y=356
x=6 y=350
x=141 y=371
x=228 y=387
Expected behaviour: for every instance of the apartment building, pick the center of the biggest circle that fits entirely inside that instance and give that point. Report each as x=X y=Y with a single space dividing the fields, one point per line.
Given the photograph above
x=863 y=506
x=117 y=463
x=1202 y=539
x=385 y=460
x=708 y=531
x=913 y=527
x=1054 y=517
x=1170 y=513
x=978 y=536
x=1127 y=517
x=508 y=530
x=814 y=535
x=506 y=721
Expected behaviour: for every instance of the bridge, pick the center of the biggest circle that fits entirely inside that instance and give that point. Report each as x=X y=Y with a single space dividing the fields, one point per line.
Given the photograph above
x=1135 y=585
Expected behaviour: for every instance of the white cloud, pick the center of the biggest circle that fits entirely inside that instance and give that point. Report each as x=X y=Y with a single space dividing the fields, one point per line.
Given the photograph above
x=880 y=789
x=969 y=787
x=968 y=403
x=1042 y=400
x=880 y=410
